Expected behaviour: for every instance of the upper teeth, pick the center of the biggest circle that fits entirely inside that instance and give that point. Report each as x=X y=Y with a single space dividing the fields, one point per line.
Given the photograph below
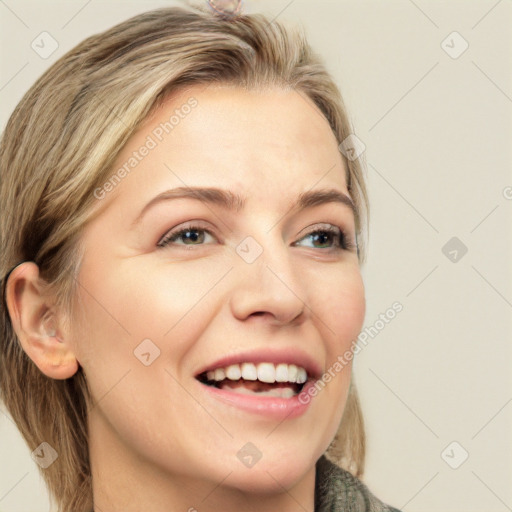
x=264 y=372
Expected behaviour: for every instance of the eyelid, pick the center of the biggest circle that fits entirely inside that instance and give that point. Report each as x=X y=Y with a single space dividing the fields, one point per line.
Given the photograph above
x=186 y=226
x=317 y=227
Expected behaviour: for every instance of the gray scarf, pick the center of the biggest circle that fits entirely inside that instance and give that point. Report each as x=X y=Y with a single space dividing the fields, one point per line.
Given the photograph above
x=337 y=490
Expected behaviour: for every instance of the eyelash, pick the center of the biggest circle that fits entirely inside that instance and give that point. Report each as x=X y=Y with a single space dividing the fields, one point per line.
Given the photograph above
x=342 y=240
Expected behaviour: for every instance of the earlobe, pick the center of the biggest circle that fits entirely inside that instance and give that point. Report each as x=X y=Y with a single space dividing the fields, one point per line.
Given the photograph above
x=37 y=324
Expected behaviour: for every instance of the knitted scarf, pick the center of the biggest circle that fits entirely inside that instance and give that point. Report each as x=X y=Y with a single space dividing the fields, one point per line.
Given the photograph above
x=337 y=490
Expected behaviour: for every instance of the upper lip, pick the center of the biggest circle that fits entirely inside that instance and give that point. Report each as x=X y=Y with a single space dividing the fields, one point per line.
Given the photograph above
x=266 y=355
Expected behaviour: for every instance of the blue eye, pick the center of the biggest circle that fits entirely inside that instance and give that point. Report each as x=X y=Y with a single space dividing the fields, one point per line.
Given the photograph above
x=326 y=237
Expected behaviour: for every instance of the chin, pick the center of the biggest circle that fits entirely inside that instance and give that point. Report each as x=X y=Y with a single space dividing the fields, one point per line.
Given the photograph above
x=271 y=473
x=272 y=481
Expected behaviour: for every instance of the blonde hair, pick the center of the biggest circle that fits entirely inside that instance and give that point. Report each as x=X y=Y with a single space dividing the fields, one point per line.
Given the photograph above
x=59 y=146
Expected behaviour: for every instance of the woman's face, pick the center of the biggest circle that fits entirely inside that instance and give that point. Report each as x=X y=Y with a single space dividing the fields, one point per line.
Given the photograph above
x=191 y=284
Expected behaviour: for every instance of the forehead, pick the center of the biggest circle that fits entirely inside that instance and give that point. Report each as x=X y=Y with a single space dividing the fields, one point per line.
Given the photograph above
x=258 y=143
x=229 y=117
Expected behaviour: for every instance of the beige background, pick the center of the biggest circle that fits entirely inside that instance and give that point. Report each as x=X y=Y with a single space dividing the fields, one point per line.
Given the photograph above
x=438 y=133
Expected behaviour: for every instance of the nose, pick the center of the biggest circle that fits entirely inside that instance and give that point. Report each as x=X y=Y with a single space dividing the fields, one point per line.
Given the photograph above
x=268 y=289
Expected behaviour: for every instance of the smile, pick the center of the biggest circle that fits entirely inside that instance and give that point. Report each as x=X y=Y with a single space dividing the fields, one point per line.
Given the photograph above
x=265 y=379
x=267 y=382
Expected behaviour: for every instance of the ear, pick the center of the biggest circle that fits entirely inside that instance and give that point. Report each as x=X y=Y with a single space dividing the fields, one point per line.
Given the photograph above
x=37 y=324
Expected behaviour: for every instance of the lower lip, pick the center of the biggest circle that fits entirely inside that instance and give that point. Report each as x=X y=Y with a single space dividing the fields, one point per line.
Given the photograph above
x=266 y=406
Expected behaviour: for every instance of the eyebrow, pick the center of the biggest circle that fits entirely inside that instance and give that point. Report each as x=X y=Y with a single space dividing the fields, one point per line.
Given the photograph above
x=235 y=202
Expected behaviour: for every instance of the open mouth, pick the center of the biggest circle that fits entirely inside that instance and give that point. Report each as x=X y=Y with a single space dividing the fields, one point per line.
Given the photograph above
x=263 y=379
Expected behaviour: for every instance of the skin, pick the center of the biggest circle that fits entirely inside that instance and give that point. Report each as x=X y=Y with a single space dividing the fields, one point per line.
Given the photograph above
x=157 y=441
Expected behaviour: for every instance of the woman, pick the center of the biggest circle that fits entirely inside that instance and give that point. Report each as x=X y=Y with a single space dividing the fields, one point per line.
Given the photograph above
x=181 y=257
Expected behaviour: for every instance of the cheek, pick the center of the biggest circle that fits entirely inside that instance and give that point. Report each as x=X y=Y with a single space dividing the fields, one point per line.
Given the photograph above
x=340 y=306
x=122 y=307
x=340 y=310
x=120 y=310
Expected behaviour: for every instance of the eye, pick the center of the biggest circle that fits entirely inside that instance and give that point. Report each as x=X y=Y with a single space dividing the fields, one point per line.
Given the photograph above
x=329 y=237
x=190 y=235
